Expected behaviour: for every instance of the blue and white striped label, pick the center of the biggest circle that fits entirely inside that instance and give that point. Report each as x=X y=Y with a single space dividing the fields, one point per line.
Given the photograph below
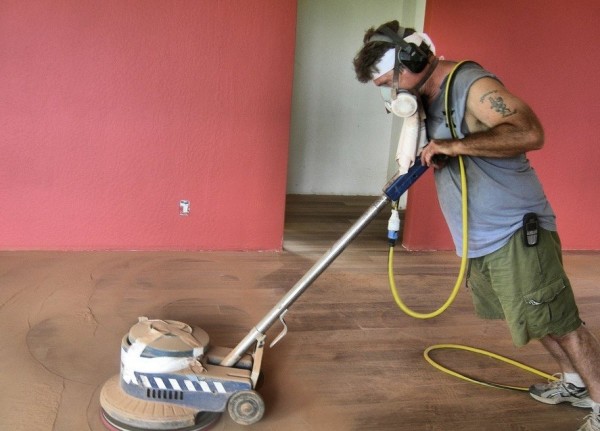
x=180 y=384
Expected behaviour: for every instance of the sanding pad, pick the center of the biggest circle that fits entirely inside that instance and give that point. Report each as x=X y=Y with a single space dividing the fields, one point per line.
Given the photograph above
x=122 y=412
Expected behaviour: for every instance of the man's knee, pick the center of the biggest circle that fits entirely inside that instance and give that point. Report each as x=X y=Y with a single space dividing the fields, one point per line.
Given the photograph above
x=573 y=336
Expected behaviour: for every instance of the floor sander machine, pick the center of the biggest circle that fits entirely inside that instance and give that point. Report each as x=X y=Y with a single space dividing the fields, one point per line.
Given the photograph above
x=172 y=379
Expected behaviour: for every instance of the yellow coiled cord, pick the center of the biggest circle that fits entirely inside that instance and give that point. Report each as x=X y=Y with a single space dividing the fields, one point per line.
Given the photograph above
x=488 y=354
x=463 y=262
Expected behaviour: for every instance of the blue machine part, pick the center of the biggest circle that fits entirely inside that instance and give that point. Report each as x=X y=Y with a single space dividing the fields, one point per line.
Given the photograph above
x=397 y=186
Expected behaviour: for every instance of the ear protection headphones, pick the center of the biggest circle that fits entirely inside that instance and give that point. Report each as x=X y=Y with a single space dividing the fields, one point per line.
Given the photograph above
x=413 y=57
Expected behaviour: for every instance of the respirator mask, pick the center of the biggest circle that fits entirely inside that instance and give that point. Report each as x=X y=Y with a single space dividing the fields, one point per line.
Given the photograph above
x=402 y=103
x=411 y=52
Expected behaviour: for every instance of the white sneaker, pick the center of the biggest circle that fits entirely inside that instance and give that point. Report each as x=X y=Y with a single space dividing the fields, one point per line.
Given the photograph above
x=559 y=391
x=592 y=423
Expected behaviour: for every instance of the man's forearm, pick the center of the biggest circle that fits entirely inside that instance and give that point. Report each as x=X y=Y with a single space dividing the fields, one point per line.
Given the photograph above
x=504 y=140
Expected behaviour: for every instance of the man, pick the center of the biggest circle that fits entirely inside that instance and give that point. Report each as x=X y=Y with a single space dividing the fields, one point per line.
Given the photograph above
x=513 y=275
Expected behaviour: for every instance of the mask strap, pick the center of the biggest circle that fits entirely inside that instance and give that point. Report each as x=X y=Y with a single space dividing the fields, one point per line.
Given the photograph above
x=396 y=75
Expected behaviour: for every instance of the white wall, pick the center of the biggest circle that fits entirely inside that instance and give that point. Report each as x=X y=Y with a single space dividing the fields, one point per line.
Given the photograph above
x=342 y=142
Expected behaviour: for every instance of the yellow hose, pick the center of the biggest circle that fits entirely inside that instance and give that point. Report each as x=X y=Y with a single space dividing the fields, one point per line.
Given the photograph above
x=485 y=353
x=465 y=225
x=463 y=262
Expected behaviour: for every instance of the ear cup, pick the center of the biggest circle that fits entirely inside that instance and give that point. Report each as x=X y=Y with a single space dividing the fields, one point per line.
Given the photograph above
x=411 y=56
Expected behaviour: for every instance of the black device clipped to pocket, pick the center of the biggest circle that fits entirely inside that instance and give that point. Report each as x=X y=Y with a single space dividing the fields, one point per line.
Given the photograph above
x=530 y=229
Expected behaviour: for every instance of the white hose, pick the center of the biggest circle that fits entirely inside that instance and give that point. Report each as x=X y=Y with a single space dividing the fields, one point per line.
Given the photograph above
x=413 y=137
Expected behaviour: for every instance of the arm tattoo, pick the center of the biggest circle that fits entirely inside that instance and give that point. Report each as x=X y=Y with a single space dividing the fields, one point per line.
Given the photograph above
x=482 y=98
x=497 y=104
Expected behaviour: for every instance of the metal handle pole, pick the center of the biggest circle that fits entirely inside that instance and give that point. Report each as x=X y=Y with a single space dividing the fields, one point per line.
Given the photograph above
x=234 y=356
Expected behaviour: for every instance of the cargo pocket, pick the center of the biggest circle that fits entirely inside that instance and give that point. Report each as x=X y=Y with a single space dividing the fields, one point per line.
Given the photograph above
x=546 y=304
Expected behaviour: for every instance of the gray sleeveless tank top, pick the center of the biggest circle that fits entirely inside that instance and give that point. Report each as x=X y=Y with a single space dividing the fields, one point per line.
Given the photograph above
x=500 y=190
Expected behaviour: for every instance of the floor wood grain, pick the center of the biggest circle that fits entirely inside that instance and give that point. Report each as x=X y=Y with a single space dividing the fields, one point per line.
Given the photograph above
x=351 y=360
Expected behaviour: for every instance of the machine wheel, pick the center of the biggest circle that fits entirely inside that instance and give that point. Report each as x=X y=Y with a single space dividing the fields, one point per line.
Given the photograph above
x=246 y=407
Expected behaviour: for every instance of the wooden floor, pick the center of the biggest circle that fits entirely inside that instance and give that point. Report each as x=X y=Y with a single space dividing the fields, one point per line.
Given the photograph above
x=350 y=361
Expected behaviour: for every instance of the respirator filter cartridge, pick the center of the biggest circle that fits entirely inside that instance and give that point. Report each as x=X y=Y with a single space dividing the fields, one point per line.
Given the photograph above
x=403 y=105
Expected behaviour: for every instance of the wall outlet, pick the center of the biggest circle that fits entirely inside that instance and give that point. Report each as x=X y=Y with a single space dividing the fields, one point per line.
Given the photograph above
x=184 y=207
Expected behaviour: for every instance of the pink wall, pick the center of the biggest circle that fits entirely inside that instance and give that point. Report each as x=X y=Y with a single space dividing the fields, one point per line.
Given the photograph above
x=113 y=111
x=544 y=51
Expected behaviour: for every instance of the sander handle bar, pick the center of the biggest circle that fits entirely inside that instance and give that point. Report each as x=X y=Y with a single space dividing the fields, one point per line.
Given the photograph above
x=392 y=192
x=399 y=184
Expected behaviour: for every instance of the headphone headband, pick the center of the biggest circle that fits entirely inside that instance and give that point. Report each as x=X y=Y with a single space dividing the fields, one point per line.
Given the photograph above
x=409 y=54
x=390 y=36
x=395 y=37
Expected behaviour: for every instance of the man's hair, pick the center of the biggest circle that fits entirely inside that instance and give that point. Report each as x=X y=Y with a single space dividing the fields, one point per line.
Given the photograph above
x=365 y=61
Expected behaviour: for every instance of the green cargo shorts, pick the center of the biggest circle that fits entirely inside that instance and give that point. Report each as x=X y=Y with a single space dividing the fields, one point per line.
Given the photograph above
x=526 y=286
